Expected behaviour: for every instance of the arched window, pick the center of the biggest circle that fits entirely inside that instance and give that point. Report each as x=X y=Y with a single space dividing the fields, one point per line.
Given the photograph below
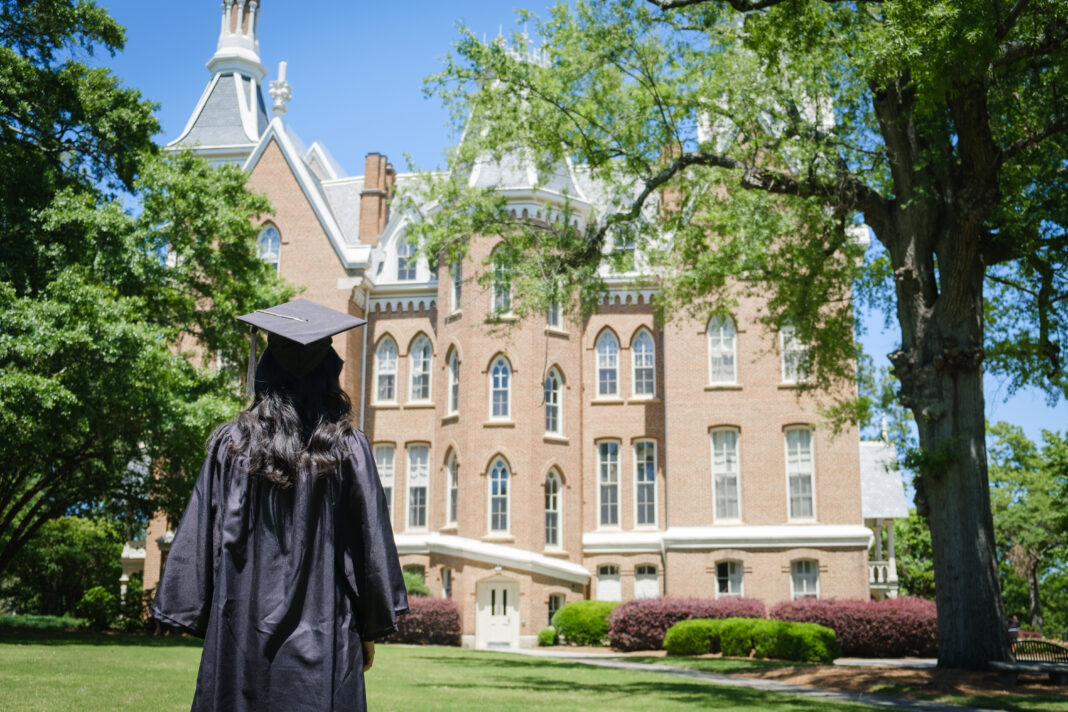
x=608 y=483
x=419 y=358
x=500 y=389
x=552 y=510
x=800 y=472
x=725 y=474
x=418 y=483
x=729 y=579
x=499 y=496
x=607 y=364
x=643 y=352
x=722 y=350
x=502 y=285
x=645 y=483
x=454 y=383
x=452 y=474
x=406 y=260
x=805 y=578
x=384 y=465
x=386 y=371
x=269 y=246
x=553 y=420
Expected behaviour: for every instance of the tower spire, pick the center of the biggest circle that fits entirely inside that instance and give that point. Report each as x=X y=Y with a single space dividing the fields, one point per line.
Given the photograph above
x=239 y=48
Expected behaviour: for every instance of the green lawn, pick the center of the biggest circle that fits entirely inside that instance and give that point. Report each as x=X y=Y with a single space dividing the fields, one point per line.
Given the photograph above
x=95 y=673
x=723 y=666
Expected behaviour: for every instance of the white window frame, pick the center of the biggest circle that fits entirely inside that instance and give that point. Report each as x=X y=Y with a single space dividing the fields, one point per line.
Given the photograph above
x=456 y=286
x=554 y=490
x=649 y=357
x=607 y=361
x=794 y=470
x=495 y=388
x=501 y=295
x=718 y=331
x=556 y=602
x=794 y=356
x=725 y=472
x=645 y=572
x=803 y=571
x=452 y=397
x=452 y=488
x=381 y=372
x=607 y=476
x=552 y=315
x=407 y=261
x=604 y=571
x=386 y=467
x=499 y=464
x=735 y=575
x=264 y=251
x=554 y=410
x=446 y=582
x=639 y=463
x=418 y=478
x=420 y=365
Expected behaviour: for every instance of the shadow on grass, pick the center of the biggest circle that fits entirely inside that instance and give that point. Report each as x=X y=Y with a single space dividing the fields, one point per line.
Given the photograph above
x=34 y=637
x=716 y=665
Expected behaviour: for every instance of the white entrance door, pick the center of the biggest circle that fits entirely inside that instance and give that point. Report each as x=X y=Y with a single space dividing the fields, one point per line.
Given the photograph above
x=497 y=622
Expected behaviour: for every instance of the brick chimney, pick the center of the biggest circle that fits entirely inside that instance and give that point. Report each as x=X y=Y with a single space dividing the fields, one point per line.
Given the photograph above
x=378 y=180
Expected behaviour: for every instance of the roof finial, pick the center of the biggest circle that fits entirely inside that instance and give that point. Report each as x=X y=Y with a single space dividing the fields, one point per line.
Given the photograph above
x=280 y=91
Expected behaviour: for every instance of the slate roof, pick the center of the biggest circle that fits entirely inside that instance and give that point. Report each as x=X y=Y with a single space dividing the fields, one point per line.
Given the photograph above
x=882 y=492
x=224 y=117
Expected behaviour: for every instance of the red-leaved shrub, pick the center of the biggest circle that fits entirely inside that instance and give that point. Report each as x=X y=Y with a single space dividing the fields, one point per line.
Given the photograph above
x=1029 y=633
x=431 y=621
x=893 y=628
x=642 y=623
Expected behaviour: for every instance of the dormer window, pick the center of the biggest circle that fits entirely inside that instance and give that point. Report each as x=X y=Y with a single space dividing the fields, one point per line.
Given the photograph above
x=406 y=261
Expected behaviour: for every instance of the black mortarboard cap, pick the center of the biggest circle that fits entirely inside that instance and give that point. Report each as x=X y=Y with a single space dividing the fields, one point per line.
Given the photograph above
x=300 y=321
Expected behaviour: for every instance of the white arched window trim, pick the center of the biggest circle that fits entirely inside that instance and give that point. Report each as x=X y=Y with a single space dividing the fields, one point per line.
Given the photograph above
x=722 y=350
x=643 y=365
x=607 y=355
x=386 y=371
x=452 y=488
x=645 y=484
x=453 y=396
x=500 y=492
x=608 y=483
x=554 y=514
x=420 y=362
x=269 y=245
x=500 y=386
x=554 y=408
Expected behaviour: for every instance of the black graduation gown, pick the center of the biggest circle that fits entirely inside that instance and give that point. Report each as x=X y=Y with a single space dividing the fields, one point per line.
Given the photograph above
x=283 y=584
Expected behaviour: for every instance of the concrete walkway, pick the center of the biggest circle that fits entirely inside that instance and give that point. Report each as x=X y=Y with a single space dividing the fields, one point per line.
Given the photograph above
x=611 y=660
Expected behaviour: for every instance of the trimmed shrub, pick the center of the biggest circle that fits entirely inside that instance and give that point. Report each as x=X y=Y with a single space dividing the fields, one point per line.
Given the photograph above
x=32 y=622
x=583 y=622
x=895 y=627
x=696 y=636
x=738 y=637
x=430 y=621
x=98 y=606
x=414 y=583
x=547 y=637
x=641 y=624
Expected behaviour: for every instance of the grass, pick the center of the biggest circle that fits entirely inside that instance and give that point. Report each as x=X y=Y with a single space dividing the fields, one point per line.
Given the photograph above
x=723 y=666
x=100 y=673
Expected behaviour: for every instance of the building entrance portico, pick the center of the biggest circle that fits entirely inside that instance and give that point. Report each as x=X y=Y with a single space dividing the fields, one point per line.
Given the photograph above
x=497 y=614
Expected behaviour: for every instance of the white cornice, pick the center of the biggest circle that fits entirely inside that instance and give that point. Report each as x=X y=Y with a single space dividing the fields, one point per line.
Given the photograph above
x=496 y=554
x=786 y=536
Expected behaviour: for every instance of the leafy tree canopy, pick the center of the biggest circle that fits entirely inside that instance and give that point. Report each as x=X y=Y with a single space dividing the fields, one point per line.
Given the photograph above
x=739 y=144
x=118 y=347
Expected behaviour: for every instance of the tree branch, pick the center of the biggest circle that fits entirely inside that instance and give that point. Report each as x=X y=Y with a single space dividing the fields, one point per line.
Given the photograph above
x=1010 y=20
x=740 y=5
x=1056 y=126
x=1026 y=48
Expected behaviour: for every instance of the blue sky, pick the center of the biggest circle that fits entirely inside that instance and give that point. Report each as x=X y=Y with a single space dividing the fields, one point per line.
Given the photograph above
x=357 y=71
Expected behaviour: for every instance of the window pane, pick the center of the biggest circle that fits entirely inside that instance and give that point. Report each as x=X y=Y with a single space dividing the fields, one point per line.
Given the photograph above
x=552 y=511
x=799 y=472
x=406 y=261
x=552 y=403
x=456 y=270
x=386 y=367
x=607 y=365
x=795 y=357
x=269 y=246
x=645 y=482
x=725 y=473
x=454 y=477
x=418 y=479
x=728 y=578
x=499 y=386
x=721 y=351
x=454 y=382
x=499 y=497
x=608 y=476
x=644 y=354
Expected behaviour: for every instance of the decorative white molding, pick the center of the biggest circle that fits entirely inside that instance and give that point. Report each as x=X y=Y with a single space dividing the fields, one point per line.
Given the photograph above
x=489 y=553
x=729 y=537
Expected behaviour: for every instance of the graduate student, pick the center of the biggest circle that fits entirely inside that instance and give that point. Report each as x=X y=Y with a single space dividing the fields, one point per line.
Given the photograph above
x=284 y=561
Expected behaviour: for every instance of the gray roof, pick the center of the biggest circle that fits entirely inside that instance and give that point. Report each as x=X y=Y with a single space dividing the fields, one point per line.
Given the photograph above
x=882 y=492
x=343 y=197
x=516 y=170
x=219 y=122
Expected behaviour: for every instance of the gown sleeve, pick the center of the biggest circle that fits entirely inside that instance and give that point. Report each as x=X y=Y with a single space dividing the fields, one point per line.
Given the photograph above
x=183 y=598
x=380 y=592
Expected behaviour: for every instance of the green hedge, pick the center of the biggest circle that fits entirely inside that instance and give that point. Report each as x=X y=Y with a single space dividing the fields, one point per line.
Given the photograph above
x=34 y=622
x=737 y=637
x=547 y=637
x=584 y=622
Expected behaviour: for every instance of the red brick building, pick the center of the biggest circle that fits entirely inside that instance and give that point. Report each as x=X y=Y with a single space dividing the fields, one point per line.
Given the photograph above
x=559 y=460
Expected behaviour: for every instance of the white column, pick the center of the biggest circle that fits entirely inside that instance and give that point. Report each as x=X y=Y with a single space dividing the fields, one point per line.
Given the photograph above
x=878 y=541
x=253 y=4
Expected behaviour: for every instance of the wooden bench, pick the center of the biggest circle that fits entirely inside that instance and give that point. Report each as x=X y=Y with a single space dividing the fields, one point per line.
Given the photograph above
x=1008 y=672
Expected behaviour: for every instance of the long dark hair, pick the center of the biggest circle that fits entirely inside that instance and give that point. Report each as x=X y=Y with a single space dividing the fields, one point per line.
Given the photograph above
x=296 y=424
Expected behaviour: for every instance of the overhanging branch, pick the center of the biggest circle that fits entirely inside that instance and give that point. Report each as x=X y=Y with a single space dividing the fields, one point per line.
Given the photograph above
x=1057 y=125
x=740 y=5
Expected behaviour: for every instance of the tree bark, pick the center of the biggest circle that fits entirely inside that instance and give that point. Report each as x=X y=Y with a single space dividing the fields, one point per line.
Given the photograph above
x=1034 y=602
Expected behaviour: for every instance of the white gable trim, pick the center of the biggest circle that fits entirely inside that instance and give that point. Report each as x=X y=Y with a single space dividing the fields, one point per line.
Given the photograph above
x=730 y=537
x=351 y=256
x=496 y=554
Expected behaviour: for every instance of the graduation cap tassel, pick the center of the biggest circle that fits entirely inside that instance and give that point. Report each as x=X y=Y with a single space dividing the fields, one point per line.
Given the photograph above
x=250 y=378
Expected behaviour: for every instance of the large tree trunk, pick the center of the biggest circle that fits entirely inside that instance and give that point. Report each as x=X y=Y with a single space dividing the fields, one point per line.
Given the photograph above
x=1034 y=602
